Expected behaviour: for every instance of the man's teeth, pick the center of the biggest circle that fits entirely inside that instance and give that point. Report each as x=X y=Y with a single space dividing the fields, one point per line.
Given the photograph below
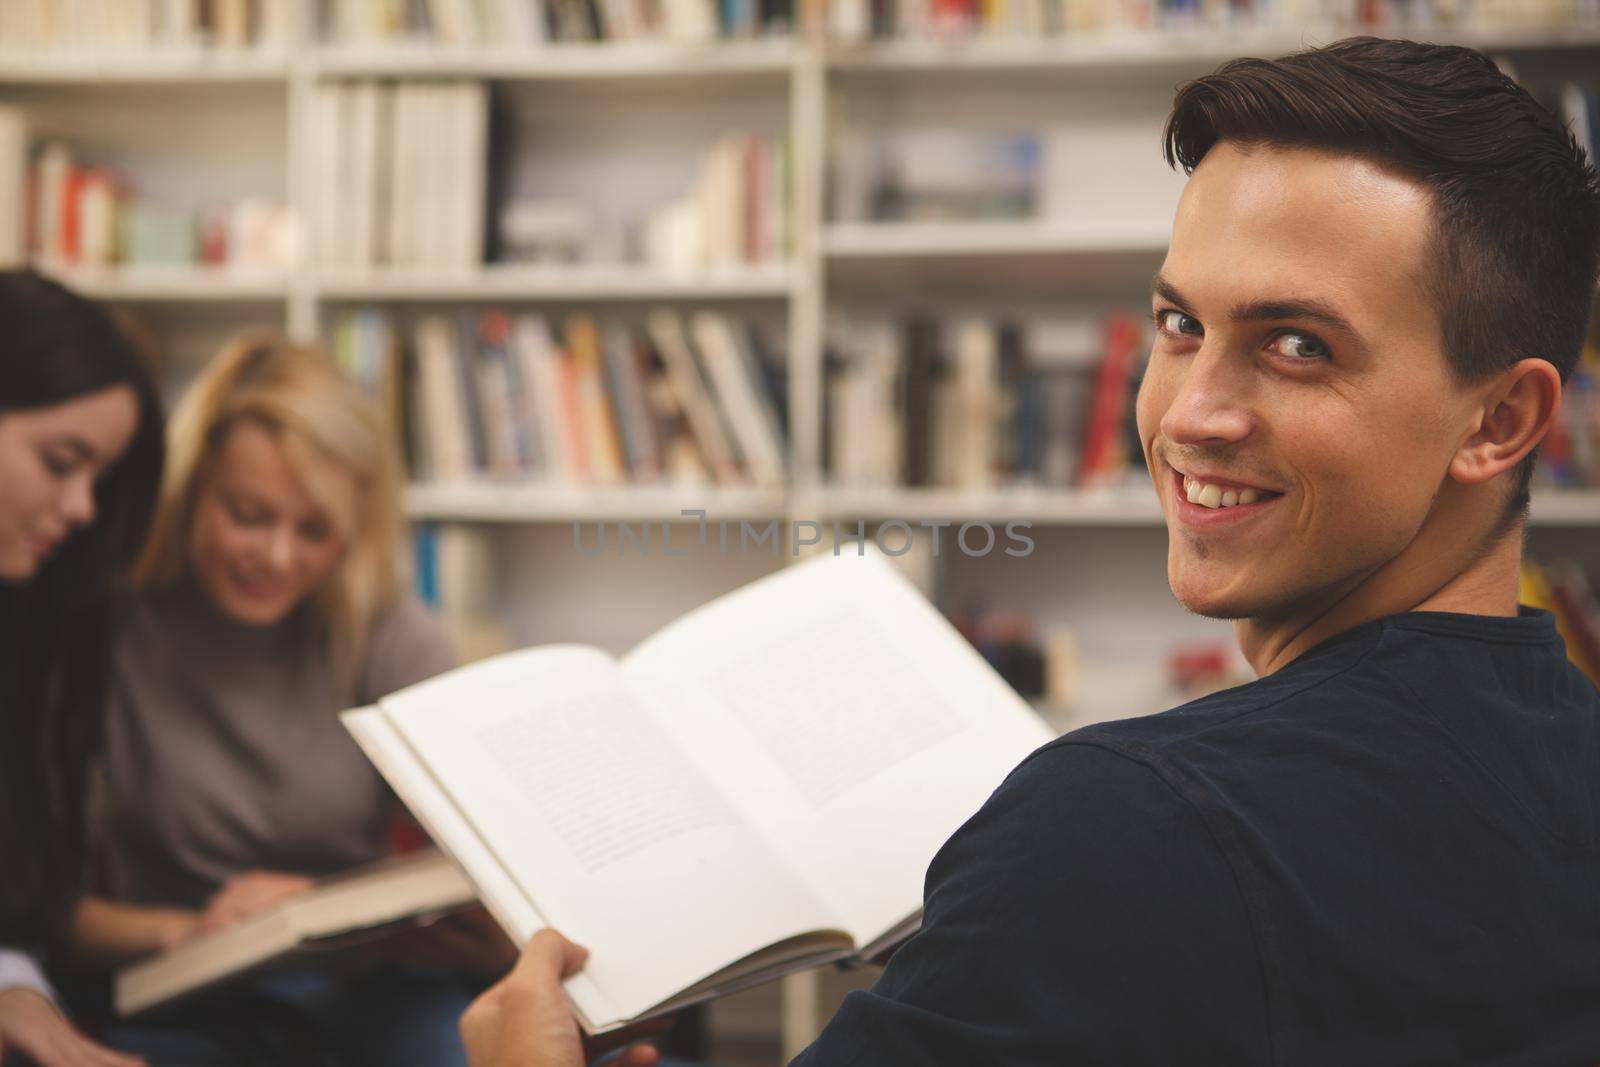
x=1214 y=496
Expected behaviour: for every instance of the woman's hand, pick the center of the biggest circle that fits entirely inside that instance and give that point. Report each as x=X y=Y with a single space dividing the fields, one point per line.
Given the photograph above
x=249 y=894
x=31 y=1025
x=524 y=1021
x=110 y=933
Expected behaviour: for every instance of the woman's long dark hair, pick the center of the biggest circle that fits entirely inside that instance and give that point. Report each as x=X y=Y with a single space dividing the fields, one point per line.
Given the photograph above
x=54 y=628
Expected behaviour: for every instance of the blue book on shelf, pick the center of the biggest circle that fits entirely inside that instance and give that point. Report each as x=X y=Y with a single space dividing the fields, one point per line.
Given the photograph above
x=425 y=561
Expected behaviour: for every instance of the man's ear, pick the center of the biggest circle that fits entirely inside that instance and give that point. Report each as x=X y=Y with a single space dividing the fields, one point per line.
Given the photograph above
x=1518 y=410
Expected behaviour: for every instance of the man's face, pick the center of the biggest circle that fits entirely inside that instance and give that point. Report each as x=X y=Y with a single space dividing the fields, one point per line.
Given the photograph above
x=1297 y=361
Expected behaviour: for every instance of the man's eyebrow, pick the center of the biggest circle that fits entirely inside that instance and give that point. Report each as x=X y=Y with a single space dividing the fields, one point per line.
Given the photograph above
x=1306 y=310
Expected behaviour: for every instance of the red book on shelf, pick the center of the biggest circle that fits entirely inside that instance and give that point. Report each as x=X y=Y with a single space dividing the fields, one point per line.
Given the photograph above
x=754 y=200
x=1108 y=407
x=71 y=205
x=954 y=16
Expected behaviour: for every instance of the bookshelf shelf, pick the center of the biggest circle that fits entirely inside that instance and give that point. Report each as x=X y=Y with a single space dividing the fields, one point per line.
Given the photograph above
x=523 y=502
x=175 y=284
x=1146 y=52
x=958 y=259
x=1131 y=506
x=112 y=68
x=944 y=240
x=1566 y=507
x=557 y=283
x=1112 y=507
x=622 y=59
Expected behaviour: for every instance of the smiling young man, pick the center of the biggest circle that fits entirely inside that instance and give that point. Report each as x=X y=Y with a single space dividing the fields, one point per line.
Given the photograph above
x=1386 y=850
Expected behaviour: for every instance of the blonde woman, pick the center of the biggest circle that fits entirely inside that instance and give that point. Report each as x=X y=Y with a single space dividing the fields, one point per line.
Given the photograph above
x=271 y=595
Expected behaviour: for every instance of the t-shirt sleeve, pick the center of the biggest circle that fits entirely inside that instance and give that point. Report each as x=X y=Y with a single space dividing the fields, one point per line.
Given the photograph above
x=407 y=645
x=18 y=970
x=1083 y=916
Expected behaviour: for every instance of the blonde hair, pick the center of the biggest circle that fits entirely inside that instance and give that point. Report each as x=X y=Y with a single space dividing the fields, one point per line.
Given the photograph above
x=318 y=417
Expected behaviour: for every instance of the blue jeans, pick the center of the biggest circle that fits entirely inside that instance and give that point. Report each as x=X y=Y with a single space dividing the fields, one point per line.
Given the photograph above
x=395 y=1017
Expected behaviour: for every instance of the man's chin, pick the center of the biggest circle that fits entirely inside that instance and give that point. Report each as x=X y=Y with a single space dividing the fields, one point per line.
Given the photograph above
x=1212 y=604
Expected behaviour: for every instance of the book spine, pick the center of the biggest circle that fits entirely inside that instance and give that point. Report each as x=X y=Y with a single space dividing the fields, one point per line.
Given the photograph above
x=1101 y=437
x=672 y=342
x=921 y=347
x=762 y=451
x=599 y=426
x=633 y=414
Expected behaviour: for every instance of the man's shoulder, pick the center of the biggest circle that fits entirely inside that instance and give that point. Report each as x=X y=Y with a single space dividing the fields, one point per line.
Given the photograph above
x=1240 y=730
x=1250 y=712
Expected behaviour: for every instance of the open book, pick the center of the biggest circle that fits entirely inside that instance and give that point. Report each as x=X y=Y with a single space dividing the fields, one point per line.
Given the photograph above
x=755 y=789
x=346 y=910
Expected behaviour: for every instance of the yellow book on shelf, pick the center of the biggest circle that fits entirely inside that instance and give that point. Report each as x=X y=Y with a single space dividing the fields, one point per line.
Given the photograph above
x=602 y=449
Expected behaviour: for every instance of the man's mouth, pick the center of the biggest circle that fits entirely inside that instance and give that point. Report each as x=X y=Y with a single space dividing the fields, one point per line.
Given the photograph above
x=1216 y=493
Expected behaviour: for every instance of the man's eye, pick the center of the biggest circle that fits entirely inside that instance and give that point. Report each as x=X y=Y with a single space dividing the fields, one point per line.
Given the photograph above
x=1176 y=322
x=1300 y=346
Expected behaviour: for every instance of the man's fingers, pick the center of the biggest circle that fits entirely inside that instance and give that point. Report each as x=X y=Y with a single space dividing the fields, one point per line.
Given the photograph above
x=550 y=953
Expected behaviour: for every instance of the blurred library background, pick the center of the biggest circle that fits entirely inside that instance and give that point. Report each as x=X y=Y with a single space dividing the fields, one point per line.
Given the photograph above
x=857 y=267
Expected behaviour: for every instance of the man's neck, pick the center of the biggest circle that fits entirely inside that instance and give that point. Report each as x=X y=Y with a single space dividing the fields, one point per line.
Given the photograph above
x=1438 y=571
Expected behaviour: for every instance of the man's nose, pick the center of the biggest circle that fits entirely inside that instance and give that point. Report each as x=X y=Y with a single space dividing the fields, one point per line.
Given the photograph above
x=1211 y=404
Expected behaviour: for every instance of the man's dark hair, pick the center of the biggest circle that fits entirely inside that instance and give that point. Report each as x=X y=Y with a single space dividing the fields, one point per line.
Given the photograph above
x=1516 y=205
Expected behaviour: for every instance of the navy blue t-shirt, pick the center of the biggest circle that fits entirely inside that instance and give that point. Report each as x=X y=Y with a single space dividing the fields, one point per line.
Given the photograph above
x=1388 y=852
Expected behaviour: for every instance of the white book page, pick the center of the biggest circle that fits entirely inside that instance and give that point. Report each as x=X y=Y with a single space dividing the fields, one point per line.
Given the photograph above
x=847 y=718
x=447 y=826
x=598 y=814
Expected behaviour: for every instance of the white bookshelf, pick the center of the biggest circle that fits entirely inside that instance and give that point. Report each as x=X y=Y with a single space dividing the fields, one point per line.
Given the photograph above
x=1153 y=53
x=1565 y=507
x=952 y=240
x=1110 y=508
x=503 y=502
x=1130 y=506
x=175 y=284
x=567 y=61
x=109 y=67
x=574 y=283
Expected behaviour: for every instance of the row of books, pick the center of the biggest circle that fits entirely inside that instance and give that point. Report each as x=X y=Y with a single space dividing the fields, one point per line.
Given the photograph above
x=858 y=20
x=700 y=400
x=915 y=174
x=150 y=25
x=414 y=173
x=63 y=212
x=147 y=25
x=738 y=211
x=532 y=22
x=400 y=173
x=969 y=407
